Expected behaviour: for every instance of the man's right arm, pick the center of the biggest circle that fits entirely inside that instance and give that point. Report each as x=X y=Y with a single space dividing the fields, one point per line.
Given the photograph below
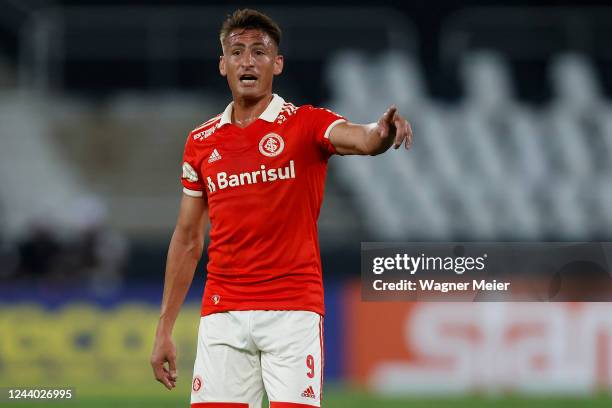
x=184 y=253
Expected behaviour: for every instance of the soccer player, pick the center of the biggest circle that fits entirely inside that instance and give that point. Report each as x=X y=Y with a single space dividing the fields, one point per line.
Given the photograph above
x=256 y=173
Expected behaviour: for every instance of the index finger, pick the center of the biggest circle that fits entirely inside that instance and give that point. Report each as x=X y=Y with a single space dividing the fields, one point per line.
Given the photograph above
x=388 y=115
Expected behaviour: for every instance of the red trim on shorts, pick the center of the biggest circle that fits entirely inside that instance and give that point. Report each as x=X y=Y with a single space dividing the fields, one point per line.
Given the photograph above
x=290 y=405
x=321 y=343
x=219 y=405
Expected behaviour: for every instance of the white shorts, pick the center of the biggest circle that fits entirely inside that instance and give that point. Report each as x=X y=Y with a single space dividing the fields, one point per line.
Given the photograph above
x=241 y=353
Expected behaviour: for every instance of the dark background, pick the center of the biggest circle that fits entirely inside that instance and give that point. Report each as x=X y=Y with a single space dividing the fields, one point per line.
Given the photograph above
x=429 y=17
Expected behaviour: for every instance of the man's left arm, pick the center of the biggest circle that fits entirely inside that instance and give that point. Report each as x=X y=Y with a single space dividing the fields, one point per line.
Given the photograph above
x=374 y=138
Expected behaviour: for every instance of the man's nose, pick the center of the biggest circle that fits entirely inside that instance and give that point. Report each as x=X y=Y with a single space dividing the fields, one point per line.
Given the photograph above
x=248 y=59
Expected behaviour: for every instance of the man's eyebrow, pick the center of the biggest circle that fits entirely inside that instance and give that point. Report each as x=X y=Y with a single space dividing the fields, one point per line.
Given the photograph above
x=240 y=44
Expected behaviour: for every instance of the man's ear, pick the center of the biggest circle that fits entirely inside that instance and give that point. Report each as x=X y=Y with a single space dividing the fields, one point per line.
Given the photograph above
x=222 y=70
x=279 y=62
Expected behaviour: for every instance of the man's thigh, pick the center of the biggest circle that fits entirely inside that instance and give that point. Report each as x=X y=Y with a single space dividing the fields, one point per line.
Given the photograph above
x=227 y=368
x=292 y=360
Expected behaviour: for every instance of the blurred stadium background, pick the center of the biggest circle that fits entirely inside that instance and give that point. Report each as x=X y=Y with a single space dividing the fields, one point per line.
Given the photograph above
x=510 y=104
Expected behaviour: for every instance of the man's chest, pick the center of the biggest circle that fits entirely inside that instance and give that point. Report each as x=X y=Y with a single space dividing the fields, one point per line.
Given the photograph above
x=260 y=157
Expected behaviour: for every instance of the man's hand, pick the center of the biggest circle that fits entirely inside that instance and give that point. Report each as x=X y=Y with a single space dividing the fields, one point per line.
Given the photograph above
x=374 y=138
x=184 y=253
x=393 y=128
x=164 y=351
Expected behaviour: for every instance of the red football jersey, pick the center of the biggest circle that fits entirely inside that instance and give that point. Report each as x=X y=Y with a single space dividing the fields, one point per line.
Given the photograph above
x=264 y=185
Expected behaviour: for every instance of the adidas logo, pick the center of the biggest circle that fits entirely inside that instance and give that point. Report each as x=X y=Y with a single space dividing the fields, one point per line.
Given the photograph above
x=214 y=156
x=309 y=393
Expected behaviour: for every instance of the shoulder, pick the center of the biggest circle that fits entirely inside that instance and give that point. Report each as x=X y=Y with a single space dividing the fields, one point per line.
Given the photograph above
x=287 y=111
x=303 y=113
x=317 y=110
x=318 y=117
x=289 y=107
x=305 y=109
x=205 y=129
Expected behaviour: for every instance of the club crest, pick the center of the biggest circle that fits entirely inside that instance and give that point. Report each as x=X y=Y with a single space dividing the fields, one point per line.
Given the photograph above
x=271 y=145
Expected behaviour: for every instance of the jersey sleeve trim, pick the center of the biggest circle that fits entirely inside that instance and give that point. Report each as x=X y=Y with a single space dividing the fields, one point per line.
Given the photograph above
x=192 y=193
x=331 y=126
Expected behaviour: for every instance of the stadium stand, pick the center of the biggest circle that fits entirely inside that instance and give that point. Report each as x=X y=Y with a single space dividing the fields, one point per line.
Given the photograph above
x=485 y=166
x=489 y=167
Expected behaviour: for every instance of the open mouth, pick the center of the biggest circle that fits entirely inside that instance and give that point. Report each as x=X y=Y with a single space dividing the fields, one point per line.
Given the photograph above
x=248 y=79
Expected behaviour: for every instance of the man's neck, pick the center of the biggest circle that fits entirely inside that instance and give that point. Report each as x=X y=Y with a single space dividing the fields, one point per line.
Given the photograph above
x=246 y=111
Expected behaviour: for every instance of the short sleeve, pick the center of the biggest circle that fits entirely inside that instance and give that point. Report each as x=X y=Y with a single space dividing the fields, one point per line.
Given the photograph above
x=320 y=122
x=191 y=177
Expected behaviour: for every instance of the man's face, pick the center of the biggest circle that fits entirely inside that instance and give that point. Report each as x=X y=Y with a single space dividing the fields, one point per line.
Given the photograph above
x=250 y=60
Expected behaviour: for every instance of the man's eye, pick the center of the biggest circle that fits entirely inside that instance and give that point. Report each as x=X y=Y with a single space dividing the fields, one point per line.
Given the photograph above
x=236 y=52
x=259 y=52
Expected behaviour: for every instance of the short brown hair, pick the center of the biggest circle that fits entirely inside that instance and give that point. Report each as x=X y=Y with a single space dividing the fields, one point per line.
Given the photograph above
x=250 y=19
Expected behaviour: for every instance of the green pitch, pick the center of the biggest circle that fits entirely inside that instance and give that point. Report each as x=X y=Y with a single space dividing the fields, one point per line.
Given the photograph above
x=335 y=397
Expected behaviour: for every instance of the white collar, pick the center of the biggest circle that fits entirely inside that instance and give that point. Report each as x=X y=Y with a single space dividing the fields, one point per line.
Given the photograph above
x=269 y=115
